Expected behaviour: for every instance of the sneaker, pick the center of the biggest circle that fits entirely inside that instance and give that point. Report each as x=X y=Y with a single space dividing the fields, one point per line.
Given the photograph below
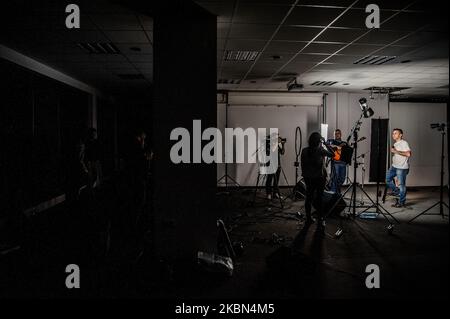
x=393 y=194
x=398 y=205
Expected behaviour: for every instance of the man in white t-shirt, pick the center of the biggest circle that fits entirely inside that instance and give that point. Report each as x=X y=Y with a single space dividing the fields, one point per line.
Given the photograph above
x=400 y=167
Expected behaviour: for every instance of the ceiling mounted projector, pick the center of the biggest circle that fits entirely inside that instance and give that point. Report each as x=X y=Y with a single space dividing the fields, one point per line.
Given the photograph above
x=293 y=85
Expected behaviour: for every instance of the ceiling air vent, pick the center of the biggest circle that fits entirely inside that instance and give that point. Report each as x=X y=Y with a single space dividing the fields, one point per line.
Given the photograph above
x=99 y=48
x=243 y=56
x=131 y=76
x=324 y=83
x=378 y=89
x=229 y=81
x=375 y=59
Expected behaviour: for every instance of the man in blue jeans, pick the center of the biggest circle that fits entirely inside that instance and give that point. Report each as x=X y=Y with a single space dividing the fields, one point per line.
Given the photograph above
x=338 y=167
x=400 y=167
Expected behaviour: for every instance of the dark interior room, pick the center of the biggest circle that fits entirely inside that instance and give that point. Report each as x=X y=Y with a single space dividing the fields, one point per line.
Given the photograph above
x=202 y=151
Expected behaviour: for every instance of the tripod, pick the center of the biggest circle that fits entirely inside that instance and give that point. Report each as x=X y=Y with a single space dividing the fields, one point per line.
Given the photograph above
x=264 y=178
x=354 y=185
x=227 y=177
x=441 y=202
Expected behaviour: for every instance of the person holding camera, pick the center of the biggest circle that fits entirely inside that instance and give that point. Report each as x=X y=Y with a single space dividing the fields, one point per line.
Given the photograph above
x=314 y=173
x=275 y=142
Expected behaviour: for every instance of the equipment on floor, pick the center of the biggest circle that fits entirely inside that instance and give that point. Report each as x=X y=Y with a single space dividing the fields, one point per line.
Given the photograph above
x=224 y=245
x=332 y=203
x=300 y=189
x=352 y=206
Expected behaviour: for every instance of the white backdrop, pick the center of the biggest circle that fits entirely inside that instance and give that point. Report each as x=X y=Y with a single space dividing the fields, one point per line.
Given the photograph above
x=342 y=111
x=415 y=119
x=285 y=118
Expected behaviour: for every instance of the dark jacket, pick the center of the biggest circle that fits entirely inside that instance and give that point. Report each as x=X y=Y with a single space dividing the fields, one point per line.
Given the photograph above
x=312 y=162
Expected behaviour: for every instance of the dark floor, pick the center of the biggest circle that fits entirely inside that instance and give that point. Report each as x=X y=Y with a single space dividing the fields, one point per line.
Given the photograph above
x=282 y=258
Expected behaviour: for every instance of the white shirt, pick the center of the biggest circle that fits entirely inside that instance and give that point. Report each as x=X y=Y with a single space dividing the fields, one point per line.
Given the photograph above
x=400 y=161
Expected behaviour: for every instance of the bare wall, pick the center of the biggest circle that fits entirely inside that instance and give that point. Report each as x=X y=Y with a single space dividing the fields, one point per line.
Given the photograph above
x=415 y=119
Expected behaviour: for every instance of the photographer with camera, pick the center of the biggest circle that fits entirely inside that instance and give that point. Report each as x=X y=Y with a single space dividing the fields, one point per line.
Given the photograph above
x=275 y=141
x=314 y=173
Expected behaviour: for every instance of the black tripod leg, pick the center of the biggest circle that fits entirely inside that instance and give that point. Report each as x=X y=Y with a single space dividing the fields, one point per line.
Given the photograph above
x=292 y=195
x=383 y=200
x=340 y=229
x=442 y=209
x=381 y=207
x=350 y=206
x=422 y=213
x=234 y=181
x=256 y=189
x=337 y=202
x=277 y=181
x=226 y=182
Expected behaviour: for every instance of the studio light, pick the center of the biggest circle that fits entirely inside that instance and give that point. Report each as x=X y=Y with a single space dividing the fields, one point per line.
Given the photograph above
x=439 y=126
x=366 y=110
x=293 y=85
x=363 y=103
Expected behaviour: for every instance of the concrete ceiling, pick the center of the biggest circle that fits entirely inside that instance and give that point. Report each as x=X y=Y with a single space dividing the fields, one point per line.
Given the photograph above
x=311 y=40
x=38 y=30
x=320 y=40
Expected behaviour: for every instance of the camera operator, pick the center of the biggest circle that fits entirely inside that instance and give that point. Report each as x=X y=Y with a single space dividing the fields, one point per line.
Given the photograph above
x=314 y=173
x=272 y=180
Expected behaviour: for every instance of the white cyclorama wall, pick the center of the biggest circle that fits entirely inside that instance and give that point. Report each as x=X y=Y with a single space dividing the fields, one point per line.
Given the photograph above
x=343 y=111
x=284 y=111
x=415 y=119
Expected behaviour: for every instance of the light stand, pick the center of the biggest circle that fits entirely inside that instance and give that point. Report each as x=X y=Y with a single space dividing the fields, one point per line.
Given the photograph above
x=441 y=203
x=298 y=149
x=226 y=176
x=363 y=174
x=366 y=112
x=378 y=163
